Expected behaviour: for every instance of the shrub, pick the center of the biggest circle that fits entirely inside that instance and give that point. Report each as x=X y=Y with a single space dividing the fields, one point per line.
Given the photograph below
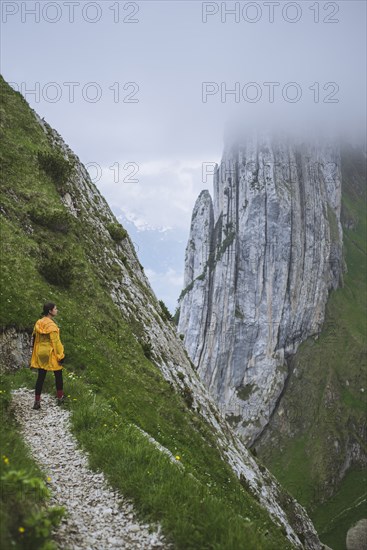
x=117 y=232
x=165 y=313
x=25 y=496
x=176 y=316
x=54 y=219
x=187 y=395
x=147 y=349
x=186 y=290
x=228 y=241
x=55 y=166
x=57 y=270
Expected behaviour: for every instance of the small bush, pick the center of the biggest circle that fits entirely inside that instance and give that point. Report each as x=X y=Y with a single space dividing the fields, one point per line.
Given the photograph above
x=57 y=270
x=188 y=397
x=54 y=219
x=186 y=290
x=165 y=313
x=245 y=484
x=39 y=526
x=176 y=316
x=115 y=271
x=147 y=349
x=25 y=496
x=123 y=258
x=117 y=232
x=55 y=166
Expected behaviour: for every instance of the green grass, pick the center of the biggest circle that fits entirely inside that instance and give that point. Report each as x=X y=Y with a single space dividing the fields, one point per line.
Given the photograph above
x=114 y=388
x=200 y=506
x=25 y=518
x=334 y=518
x=324 y=403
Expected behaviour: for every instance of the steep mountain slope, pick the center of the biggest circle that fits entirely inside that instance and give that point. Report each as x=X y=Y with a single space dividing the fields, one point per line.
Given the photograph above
x=138 y=406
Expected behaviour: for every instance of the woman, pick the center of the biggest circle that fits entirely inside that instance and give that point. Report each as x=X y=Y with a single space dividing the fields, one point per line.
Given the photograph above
x=48 y=353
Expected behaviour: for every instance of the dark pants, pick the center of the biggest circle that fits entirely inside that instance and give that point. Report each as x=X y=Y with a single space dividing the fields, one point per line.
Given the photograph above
x=41 y=378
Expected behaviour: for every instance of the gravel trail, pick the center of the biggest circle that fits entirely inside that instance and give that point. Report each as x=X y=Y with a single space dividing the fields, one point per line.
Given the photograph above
x=97 y=516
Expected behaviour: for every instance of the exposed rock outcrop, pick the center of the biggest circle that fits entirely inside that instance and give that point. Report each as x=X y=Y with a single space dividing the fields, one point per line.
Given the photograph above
x=259 y=264
x=357 y=536
x=15 y=349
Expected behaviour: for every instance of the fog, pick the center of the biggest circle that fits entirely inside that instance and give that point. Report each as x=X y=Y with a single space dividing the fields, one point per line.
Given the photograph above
x=143 y=92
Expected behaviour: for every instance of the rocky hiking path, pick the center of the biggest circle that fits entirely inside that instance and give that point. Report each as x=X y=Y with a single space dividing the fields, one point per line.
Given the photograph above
x=97 y=516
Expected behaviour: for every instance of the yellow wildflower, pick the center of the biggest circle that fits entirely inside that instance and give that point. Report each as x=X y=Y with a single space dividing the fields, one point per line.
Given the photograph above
x=21 y=529
x=177 y=457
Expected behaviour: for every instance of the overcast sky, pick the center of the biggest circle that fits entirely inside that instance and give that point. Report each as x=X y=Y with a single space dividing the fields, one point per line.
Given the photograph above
x=149 y=94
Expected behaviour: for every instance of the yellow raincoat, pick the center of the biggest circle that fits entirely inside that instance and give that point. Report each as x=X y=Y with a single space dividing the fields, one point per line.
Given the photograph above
x=47 y=349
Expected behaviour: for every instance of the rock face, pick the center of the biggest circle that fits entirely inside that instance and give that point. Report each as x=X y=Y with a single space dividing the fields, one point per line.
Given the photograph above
x=15 y=350
x=260 y=261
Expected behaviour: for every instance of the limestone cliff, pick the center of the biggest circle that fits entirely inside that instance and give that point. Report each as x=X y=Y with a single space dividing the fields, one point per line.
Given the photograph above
x=260 y=262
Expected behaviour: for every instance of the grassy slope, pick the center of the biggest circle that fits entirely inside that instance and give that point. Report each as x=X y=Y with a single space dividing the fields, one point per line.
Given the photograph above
x=324 y=402
x=113 y=387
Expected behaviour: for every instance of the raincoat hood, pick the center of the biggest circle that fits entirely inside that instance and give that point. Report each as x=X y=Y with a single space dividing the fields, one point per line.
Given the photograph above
x=47 y=347
x=45 y=326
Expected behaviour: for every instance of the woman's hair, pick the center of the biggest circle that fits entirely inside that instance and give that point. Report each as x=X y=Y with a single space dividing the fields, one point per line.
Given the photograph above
x=47 y=308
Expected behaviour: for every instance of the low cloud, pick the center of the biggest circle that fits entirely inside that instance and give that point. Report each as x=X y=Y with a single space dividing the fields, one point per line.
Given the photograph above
x=163 y=196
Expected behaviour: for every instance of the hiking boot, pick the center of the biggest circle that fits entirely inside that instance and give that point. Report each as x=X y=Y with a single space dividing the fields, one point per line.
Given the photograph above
x=37 y=405
x=61 y=400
